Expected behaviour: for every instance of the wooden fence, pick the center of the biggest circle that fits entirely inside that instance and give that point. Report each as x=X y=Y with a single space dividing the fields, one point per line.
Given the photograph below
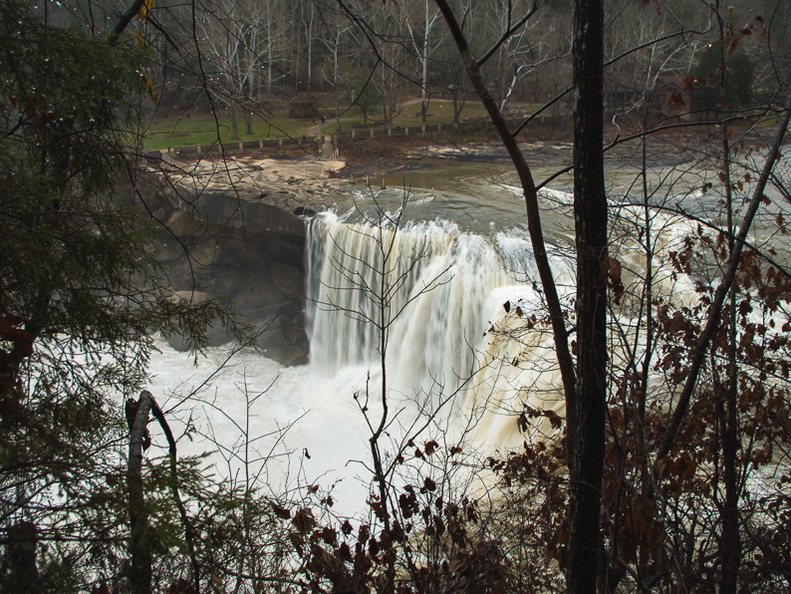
x=418 y=131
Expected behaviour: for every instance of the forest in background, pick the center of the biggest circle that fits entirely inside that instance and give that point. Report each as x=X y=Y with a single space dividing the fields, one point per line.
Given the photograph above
x=673 y=471
x=324 y=60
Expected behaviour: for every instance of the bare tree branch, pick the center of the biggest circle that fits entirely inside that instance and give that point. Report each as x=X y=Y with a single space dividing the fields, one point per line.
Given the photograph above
x=721 y=293
x=531 y=200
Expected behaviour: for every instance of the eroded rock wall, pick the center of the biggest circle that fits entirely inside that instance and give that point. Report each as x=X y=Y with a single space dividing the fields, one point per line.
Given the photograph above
x=240 y=244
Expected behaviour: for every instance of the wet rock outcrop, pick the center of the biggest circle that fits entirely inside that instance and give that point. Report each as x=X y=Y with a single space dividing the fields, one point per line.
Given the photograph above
x=234 y=237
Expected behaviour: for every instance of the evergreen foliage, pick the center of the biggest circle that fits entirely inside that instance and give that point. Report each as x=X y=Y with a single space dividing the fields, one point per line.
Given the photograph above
x=724 y=79
x=80 y=294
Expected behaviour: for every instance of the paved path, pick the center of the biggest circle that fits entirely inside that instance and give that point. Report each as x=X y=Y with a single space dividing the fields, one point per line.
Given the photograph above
x=327 y=150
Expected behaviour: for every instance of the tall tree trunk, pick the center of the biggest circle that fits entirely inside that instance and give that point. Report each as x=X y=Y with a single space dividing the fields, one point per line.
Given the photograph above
x=139 y=540
x=248 y=122
x=585 y=387
x=234 y=123
x=586 y=413
x=730 y=548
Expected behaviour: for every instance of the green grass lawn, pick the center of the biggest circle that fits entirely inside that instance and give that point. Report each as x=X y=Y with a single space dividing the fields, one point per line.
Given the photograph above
x=201 y=128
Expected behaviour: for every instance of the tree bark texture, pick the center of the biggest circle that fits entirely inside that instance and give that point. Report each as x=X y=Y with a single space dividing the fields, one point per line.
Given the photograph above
x=139 y=549
x=586 y=411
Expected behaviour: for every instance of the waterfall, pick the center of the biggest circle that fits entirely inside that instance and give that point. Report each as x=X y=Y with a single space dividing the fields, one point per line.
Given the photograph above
x=439 y=294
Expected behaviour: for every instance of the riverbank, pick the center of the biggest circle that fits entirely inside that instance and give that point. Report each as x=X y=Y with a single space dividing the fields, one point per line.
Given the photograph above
x=239 y=218
x=550 y=146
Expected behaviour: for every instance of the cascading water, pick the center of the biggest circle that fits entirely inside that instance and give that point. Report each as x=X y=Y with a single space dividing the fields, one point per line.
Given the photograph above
x=439 y=295
x=451 y=351
x=459 y=306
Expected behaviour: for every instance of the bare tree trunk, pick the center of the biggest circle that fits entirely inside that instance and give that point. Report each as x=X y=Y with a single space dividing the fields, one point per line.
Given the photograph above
x=585 y=387
x=139 y=543
x=730 y=548
x=586 y=414
x=248 y=122
x=234 y=123
x=140 y=574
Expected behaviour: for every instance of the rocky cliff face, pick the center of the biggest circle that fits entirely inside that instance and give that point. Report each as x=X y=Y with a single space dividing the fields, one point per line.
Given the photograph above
x=234 y=236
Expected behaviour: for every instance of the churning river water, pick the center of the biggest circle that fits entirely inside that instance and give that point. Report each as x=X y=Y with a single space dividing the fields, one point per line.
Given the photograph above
x=453 y=287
